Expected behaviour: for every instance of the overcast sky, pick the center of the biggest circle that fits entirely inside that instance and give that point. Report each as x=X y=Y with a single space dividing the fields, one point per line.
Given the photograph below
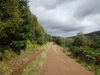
x=66 y=18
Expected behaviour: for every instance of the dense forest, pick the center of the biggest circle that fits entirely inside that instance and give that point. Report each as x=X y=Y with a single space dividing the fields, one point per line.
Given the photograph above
x=17 y=26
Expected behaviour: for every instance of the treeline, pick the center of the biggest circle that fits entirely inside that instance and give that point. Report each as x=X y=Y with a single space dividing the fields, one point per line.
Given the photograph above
x=17 y=25
x=84 y=47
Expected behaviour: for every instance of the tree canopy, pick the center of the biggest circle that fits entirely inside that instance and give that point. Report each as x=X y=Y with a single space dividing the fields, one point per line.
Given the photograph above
x=17 y=25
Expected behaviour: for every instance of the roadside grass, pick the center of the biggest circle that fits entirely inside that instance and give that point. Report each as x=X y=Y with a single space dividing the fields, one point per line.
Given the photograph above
x=4 y=67
x=9 y=54
x=90 y=66
x=29 y=48
x=4 y=70
x=35 y=67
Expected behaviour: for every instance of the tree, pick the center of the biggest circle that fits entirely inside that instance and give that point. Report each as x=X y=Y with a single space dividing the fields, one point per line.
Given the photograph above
x=95 y=41
x=81 y=40
x=17 y=25
x=59 y=40
x=9 y=20
x=69 y=42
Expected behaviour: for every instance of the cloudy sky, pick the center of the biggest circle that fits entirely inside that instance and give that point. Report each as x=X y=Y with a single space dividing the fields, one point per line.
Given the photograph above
x=67 y=17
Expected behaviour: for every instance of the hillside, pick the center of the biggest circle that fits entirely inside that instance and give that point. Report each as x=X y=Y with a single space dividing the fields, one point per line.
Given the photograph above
x=91 y=34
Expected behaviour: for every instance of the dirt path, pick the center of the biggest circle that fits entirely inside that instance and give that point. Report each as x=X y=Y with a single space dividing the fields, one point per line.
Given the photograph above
x=57 y=63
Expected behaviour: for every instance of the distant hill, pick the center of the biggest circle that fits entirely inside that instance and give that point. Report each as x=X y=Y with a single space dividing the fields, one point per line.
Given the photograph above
x=91 y=34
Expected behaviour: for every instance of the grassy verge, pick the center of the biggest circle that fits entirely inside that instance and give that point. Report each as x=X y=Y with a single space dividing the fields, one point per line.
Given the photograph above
x=90 y=66
x=35 y=67
x=9 y=55
x=29 y=48
x=4 y=70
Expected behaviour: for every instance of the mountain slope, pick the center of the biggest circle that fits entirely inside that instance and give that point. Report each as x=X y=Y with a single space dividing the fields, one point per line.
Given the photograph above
x=91 y=34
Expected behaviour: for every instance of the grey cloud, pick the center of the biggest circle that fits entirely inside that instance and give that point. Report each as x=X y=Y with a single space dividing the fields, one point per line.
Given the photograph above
x=60 y=18
x=57 y=28
x=67 y=28
x=89 y=7
x=48 y=4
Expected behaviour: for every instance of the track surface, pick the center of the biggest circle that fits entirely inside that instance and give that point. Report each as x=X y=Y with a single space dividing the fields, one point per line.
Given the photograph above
x=57 y=63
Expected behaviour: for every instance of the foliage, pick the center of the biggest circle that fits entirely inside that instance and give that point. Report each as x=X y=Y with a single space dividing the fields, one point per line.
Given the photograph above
x=39 y=35
x=96 y=41
x=59 y=40
x=4 y=69
x=9 y=20
x=85 y=53
x=29 y=47
x=69 y=42
x=83 y=47
x=7 y=54
x=81 y=40
x=91 y=66
x=17 y=25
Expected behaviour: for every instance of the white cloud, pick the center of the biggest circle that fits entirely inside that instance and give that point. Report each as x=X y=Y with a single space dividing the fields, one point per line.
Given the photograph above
x=67 y=17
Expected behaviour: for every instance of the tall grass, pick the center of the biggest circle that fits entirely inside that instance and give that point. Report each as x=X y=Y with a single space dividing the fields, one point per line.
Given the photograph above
x=35 y=67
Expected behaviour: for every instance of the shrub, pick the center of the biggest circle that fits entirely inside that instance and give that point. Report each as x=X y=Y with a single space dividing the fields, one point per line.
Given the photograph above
x=86 y=53
x=81 y=40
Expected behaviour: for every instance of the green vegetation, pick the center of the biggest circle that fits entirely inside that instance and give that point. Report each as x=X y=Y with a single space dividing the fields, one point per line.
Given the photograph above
x=20 y=33
x=18 y=26
x=59 y=40
x=36 y=66
x=29 y=48
x=37 y=63
x=84 y=49
x=4 y=70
